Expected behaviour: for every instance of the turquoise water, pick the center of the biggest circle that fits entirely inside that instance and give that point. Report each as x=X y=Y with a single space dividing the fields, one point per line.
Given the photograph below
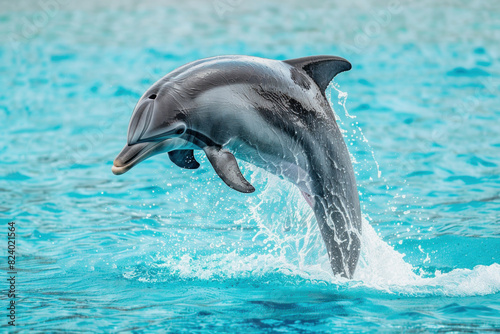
x=161 y=248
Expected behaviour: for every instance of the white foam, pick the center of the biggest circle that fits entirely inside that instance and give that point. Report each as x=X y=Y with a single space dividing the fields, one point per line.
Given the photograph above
x=383 y=268
x=295 y=250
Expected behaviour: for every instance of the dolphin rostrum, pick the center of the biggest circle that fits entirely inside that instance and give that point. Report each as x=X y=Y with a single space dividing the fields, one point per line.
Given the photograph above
x=273 y=114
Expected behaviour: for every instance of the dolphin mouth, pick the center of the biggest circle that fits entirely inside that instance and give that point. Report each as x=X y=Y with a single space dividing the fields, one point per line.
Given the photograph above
x=131 y=155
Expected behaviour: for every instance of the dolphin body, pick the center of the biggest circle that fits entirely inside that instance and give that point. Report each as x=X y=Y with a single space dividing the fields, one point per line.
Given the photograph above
x=273 y=114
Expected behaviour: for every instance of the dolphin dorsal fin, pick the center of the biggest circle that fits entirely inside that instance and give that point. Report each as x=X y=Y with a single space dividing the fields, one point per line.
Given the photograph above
x=322 y=69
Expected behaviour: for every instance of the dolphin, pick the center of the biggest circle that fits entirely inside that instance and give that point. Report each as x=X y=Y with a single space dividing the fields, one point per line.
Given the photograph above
x=273 y=114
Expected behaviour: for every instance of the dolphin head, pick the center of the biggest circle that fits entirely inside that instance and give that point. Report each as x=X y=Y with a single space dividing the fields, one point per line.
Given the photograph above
x=157 y=126
x=157 y=116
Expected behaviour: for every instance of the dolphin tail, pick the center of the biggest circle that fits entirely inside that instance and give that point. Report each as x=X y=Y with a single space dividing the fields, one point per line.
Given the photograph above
x=341 y=233
x=322 y=69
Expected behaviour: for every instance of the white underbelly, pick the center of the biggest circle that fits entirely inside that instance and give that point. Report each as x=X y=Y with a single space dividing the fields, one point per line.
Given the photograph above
x=288 y=167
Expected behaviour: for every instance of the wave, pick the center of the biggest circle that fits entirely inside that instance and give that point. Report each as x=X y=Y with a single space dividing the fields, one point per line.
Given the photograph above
x=292 y=253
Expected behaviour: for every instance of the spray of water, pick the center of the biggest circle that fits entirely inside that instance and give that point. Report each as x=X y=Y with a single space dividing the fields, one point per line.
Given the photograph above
x=292 y=246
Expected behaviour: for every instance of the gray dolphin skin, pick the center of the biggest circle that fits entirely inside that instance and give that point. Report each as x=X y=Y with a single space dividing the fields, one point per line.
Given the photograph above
x=273 y=114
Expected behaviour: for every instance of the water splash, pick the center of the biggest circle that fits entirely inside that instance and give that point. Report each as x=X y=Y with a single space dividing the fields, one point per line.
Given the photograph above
x=383 y=268
x=356 y=132
x=293 y=253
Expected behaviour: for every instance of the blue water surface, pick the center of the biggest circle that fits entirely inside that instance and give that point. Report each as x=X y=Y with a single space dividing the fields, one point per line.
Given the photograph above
x=165 y=249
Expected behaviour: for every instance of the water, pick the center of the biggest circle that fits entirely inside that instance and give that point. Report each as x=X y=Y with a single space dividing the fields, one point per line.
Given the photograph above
x=161 y=248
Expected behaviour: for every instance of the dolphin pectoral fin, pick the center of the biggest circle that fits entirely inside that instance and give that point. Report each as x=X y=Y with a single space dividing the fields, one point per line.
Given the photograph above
x=225 y=165
x=322 y=69
x=184 y=159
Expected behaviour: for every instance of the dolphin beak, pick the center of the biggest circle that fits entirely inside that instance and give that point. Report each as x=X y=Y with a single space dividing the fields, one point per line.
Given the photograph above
x=131 y=155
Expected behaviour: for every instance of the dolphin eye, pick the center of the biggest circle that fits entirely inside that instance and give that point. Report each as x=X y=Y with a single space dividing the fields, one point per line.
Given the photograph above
x=152 y=96
x=179 y=131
